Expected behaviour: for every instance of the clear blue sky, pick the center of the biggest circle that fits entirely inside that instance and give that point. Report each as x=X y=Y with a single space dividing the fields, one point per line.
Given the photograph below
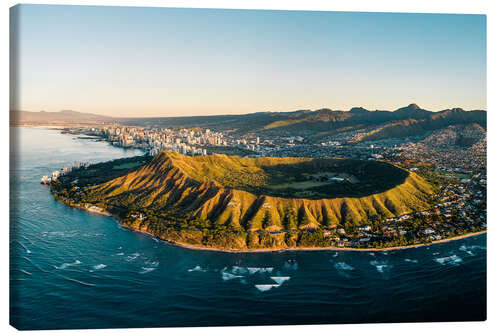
x=131 y=61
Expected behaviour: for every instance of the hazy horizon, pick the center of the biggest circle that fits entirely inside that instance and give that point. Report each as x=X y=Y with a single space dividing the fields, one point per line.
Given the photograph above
x=164 y=62
x=225 y=114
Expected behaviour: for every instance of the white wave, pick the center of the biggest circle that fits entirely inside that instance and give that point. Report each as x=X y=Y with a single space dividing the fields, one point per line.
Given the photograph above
x=335 y=255
x=435 y=253
x=381 y=266
x=451 y=260
x=120 y=254
x=228 y=276
x=100 y=266
x=253 y=270
x=280 y=279
x=266 y=287
x=133 y=256
x=343 y=266
x=66 y=265
x=470 y=250
x=197 y=269
x=147 y=270
x=372 y=254
x=415 y=261
x=466 y=250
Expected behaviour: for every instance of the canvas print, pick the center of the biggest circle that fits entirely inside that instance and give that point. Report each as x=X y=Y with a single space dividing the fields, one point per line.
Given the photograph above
x=212 y=167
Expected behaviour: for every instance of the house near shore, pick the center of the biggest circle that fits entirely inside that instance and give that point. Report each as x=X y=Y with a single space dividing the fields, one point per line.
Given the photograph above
x=429 y=231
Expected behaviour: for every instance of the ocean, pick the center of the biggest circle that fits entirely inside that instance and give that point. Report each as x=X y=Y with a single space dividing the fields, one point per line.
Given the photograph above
x=72 y=269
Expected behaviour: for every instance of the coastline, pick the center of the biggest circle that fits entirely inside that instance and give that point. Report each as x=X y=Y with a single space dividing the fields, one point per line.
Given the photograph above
x=329 y=248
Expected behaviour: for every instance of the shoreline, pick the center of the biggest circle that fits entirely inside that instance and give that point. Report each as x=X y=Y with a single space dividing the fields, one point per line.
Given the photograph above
x=329 y=248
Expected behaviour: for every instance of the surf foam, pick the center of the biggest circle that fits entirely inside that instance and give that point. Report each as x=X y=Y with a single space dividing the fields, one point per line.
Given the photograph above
x=228 y=276
x=66 y=265
x=381 y=266
x=253 y=270
x=266 y=287
x=197 y=269
x=415 y=261
x=453 y=260
x=280 y=279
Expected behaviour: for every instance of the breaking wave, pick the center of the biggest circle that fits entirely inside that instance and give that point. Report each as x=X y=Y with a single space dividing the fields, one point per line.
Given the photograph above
x=147 y=270
x=66 y=265
x=280 y=279
x=151 y=266
x=133 y=256
x=266 y=287
x=415 y=261
x=471 y=250
x=228 y=276
x=197 y=269
x=453 y=260
x=381 y=266
x=253 y=270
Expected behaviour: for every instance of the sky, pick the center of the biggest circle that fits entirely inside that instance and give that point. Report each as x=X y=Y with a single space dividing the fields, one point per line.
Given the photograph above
x=133 y=61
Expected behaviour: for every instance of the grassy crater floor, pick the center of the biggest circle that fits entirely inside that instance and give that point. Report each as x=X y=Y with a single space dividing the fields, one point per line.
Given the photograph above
x=289 y=177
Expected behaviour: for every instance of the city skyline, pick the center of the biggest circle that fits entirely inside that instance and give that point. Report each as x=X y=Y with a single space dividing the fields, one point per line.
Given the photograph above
x=122 y=61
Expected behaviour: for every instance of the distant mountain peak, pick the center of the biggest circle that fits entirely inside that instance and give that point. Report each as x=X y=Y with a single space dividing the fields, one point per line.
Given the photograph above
x=63 y=116
x=358 y=110
x=69 y=112
x=410 y=107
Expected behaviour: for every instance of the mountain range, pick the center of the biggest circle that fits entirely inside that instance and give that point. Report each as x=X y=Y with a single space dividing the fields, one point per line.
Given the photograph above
x=64 y=116
x=315 y=125
x=405 y=121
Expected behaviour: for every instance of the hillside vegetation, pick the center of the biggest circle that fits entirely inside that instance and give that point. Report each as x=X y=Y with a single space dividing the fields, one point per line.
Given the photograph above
x=195 y=200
